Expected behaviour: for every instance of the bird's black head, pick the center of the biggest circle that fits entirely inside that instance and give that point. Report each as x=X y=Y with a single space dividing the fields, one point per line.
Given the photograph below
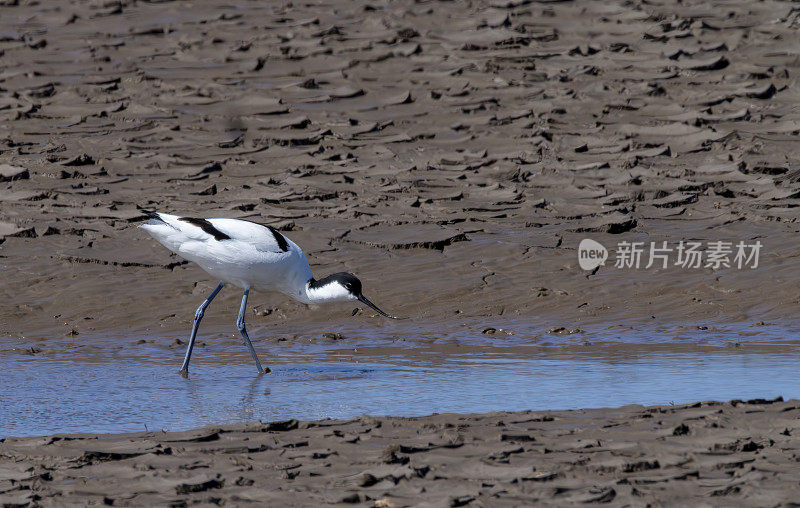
x=349 y=281
x=348 y=285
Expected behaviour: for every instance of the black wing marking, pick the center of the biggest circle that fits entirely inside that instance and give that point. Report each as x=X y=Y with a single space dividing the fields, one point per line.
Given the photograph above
x=210 y=229
x=282 y=243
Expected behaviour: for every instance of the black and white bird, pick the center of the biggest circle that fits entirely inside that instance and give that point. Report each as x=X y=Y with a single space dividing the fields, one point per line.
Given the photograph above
x=249 y=256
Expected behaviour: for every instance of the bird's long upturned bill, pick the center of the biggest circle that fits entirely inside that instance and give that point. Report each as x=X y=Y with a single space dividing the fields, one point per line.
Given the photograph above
x=363 y=299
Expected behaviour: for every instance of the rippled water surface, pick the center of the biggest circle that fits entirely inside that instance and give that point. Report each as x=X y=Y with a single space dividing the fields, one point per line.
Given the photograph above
x=116 y=392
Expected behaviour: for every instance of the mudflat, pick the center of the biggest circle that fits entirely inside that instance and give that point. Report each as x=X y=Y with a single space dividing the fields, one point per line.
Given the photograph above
x=451 y=154
x=708 y=453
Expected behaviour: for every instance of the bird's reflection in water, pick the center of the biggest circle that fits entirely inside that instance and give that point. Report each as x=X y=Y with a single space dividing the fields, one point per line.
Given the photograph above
x=245 y=398
x=248 y=401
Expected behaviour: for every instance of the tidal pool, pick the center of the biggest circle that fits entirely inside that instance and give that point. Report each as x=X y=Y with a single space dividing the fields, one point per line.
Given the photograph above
x=119 y=392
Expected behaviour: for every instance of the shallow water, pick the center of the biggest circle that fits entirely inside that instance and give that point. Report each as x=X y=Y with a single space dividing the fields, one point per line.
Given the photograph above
x=121 y=392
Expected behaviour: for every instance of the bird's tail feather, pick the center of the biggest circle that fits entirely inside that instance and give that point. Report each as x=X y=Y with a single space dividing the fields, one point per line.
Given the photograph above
x=154 y=218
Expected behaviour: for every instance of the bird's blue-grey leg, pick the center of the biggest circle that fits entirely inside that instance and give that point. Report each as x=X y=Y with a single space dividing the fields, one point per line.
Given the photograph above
x=243 y=330
x=198 y=315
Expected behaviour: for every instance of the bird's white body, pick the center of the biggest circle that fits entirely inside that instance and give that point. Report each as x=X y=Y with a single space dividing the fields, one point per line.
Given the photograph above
x=251 y=256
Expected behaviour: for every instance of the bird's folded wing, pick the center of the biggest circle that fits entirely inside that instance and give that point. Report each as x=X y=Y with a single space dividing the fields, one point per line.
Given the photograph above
x=263 y=238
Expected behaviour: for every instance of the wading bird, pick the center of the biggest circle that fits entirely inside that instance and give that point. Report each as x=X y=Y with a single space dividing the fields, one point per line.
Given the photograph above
x=249 y=255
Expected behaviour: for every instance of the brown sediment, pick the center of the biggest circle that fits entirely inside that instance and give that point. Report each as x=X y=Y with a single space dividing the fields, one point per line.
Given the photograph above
x=739 y=453
x=452 y=157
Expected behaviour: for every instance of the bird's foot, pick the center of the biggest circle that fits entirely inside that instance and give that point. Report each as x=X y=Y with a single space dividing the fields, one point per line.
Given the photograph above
x=184 y=373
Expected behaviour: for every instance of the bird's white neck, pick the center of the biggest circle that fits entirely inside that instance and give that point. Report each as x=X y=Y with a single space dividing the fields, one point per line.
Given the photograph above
x=316 y=294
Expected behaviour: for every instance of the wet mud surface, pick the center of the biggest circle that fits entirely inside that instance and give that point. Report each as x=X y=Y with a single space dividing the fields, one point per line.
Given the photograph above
x=452 y=155
x=710 y=453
